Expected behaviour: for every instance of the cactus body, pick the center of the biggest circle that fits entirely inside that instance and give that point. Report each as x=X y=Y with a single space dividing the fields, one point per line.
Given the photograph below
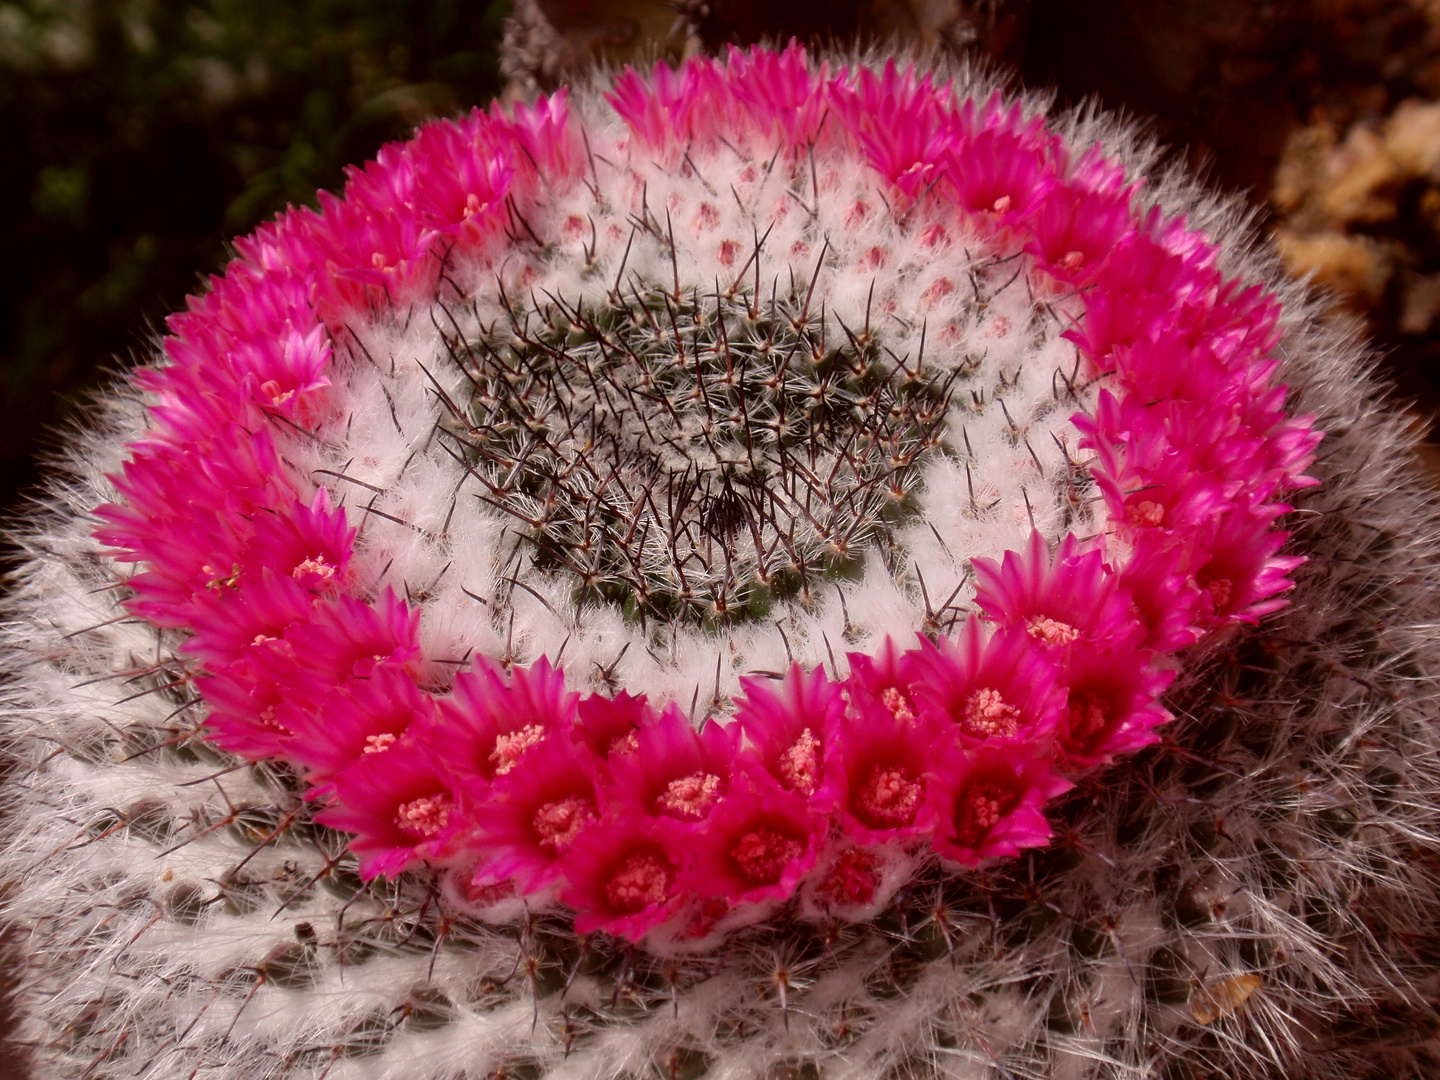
x=667 y=398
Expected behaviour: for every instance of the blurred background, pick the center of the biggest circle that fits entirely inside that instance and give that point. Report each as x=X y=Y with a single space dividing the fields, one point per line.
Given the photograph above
x=140 y=135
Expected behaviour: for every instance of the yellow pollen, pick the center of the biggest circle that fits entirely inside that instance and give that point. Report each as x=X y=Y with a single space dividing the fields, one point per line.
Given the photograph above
x=1145 y=514
x=1220 y=590
x=626 y=744
x=316 y=565
x=1087 y=717
x=375 y=744
x=979 y=808
x=762 y=855
x=897 y=704
x=888 y=798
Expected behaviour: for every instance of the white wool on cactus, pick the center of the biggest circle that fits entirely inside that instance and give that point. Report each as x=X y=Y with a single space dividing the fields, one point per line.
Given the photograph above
x=919 y=460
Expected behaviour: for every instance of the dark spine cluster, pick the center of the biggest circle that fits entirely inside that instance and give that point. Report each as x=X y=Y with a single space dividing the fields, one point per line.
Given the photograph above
x=695 y=457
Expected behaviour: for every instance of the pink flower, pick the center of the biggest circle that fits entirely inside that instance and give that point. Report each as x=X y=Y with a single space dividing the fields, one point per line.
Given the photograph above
x=371 y=256
x=364 y=716
x=999 y=175
x=875 y=770
x=238 y=609
x=1164 y=260
x=610 y=726
x=675 y=772
x=1072 y=596
x=673 y=107
x=849 y=879
x=756 y=846
x=1000 y=686
x=244 y=707
x=184 y=515
x=987 y=803
x=1074 y=229
x=534 y=812
x=313 y=541
x=278 y=684
x=399 y=806
x=620 y=877
x=489 y=723
x=1113 y=705
x=788 y=731
x=1149 y=482
x=463 y=170
x=1239 y=571
x=1162 y=593
x=779 y=92
x=901 y=124
x=347 y=637
x=887 y=676
x=550 y=148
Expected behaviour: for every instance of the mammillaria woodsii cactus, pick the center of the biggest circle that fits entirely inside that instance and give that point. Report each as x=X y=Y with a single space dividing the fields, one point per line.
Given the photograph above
x=783 y=567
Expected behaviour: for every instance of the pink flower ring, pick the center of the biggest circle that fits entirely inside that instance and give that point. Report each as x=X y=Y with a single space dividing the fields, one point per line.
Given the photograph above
x=304 y=649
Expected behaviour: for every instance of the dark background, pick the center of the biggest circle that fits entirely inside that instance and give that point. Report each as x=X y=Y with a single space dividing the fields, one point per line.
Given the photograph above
x=138 y=135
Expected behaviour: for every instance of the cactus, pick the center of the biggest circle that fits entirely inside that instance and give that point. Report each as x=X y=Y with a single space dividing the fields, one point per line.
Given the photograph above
x=661 y=398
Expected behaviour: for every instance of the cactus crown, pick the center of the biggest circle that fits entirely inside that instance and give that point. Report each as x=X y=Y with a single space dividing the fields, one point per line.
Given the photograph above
x=694 y=457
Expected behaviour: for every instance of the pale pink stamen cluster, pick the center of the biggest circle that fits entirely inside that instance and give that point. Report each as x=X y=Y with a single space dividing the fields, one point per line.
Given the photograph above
x=691 y=797
x=1052 y=631
x=559 y=823
x=1087 y=716
x=640 y=881
x=1220 y=590
x=424 y=817
x=1144 y=514
x=799 y=765
x=510 y=745
x=895 y=701
x=317 y=566
x=851 y=881
x=958 y=743
x=762 y=855
x=888 y=798
x=987 y=715
x=978 y=810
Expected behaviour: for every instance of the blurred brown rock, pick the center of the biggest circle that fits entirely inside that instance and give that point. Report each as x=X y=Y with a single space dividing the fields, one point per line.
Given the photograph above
x=1420 y=303
x=1356 y=267
x=1357 y=179
x=1412 y=138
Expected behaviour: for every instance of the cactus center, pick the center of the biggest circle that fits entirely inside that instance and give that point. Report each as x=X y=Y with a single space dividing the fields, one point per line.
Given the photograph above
x=690 y=457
